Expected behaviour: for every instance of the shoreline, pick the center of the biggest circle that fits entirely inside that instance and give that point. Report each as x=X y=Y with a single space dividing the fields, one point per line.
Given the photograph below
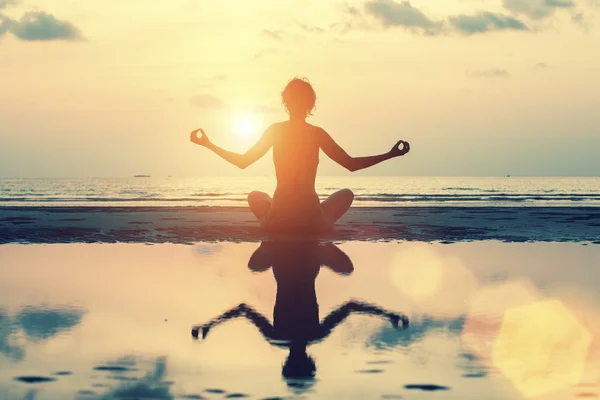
x=106 y=224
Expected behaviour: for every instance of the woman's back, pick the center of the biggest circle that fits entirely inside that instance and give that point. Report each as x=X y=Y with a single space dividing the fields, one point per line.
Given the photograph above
x=296 y=157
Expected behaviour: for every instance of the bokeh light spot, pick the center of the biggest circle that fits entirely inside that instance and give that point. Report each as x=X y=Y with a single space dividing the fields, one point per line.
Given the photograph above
x=541 y=348
x=436 y=283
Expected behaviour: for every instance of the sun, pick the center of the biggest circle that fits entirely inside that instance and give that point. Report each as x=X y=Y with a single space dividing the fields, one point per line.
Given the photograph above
x=245 y=125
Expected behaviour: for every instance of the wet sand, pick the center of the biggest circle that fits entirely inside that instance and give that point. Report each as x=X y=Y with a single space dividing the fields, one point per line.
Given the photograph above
x=193 y=224
x=112 y=321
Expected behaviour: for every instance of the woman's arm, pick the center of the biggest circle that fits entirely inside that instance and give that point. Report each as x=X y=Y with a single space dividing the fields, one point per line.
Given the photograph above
x=339 y=155
x=338 y=316
x=243 y=310
x=239 y=160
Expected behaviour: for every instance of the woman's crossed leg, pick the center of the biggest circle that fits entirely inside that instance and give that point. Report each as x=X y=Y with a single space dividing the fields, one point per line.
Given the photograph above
x=334 y=207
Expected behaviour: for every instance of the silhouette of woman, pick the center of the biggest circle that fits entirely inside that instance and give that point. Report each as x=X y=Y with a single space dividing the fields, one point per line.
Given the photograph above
x=296 y=322
x=295 y=205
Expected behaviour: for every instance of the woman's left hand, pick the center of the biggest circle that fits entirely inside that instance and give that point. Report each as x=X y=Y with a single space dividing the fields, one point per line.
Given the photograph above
x=397 y=151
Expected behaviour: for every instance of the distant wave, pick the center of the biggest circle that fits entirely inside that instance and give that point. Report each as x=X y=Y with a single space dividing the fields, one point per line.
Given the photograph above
x=109 y=199
x=489 y=199
x=369 y=191
x=377 y=197
x=215 y=194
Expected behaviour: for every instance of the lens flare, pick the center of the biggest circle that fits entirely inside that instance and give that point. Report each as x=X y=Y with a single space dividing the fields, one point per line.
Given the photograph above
x=436 y=283
x=541 y=348
x=537 y=343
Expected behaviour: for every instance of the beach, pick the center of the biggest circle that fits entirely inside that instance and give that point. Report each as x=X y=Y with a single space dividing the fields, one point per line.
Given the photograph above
x=99 y=296
x=85 y=224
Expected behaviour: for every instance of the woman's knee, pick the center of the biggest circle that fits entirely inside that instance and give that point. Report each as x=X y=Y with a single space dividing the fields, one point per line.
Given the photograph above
x=258 y=196
x=347 y=194
x=259 y=203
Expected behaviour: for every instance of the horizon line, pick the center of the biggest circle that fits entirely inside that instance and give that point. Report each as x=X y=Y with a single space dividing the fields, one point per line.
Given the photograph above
x=145 y=176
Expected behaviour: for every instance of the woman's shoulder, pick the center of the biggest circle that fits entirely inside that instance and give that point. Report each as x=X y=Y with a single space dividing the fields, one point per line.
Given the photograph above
x=315 y=127
x=285 y=125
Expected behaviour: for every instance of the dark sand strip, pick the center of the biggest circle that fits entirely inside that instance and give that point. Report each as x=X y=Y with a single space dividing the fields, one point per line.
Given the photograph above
x=194 y=224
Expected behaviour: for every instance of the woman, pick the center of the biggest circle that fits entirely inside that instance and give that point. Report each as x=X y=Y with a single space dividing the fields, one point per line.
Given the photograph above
x=295 y=205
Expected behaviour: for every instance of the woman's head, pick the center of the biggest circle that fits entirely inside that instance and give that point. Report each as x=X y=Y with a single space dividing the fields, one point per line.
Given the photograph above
x=299 y=98
x=299 y=369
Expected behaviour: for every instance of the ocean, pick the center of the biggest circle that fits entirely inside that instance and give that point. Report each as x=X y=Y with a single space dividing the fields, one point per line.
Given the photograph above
x=369 y=191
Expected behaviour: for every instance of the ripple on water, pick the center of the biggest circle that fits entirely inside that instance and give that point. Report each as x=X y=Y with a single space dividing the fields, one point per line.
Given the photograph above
x=100 y=385
x=215 y=391
x=113 y=368
x=122 y=378
x=475 y=375
x=426 y=387
x=34 y=379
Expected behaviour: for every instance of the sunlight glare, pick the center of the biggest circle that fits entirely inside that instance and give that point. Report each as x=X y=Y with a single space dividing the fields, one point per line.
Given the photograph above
x=245 y=125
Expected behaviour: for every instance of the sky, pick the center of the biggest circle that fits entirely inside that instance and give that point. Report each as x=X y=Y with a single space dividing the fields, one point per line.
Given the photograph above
x=478 y=87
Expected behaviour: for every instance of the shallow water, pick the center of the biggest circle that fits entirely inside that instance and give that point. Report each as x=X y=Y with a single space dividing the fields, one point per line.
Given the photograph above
x=370 y=191
x=113 y=321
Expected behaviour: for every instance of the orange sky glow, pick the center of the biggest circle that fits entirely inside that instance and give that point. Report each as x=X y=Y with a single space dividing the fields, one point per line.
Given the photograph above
x=480 y=87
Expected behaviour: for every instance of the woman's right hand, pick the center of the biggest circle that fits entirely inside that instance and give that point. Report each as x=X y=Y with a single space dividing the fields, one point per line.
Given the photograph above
x=202 y=140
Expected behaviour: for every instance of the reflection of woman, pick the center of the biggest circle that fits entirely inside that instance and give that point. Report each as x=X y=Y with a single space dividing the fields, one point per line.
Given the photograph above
x=296 y=322
x=295 y=205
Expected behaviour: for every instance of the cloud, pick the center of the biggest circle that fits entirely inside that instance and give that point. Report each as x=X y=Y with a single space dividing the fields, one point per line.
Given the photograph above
x=4 y=24
x=40 y=26
x=310 y=28
x=9 y=346
x=536 y=9
x=151 y=386
x=41 y=324
x=206 y=101
x=578 y=18
x=266 y=109
x=392 y=14
x=34 y=324
x=489 y=73
x=485 y=22
x=7 y=3
x=274 y=34
x=264 y=52
x=541 y=65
